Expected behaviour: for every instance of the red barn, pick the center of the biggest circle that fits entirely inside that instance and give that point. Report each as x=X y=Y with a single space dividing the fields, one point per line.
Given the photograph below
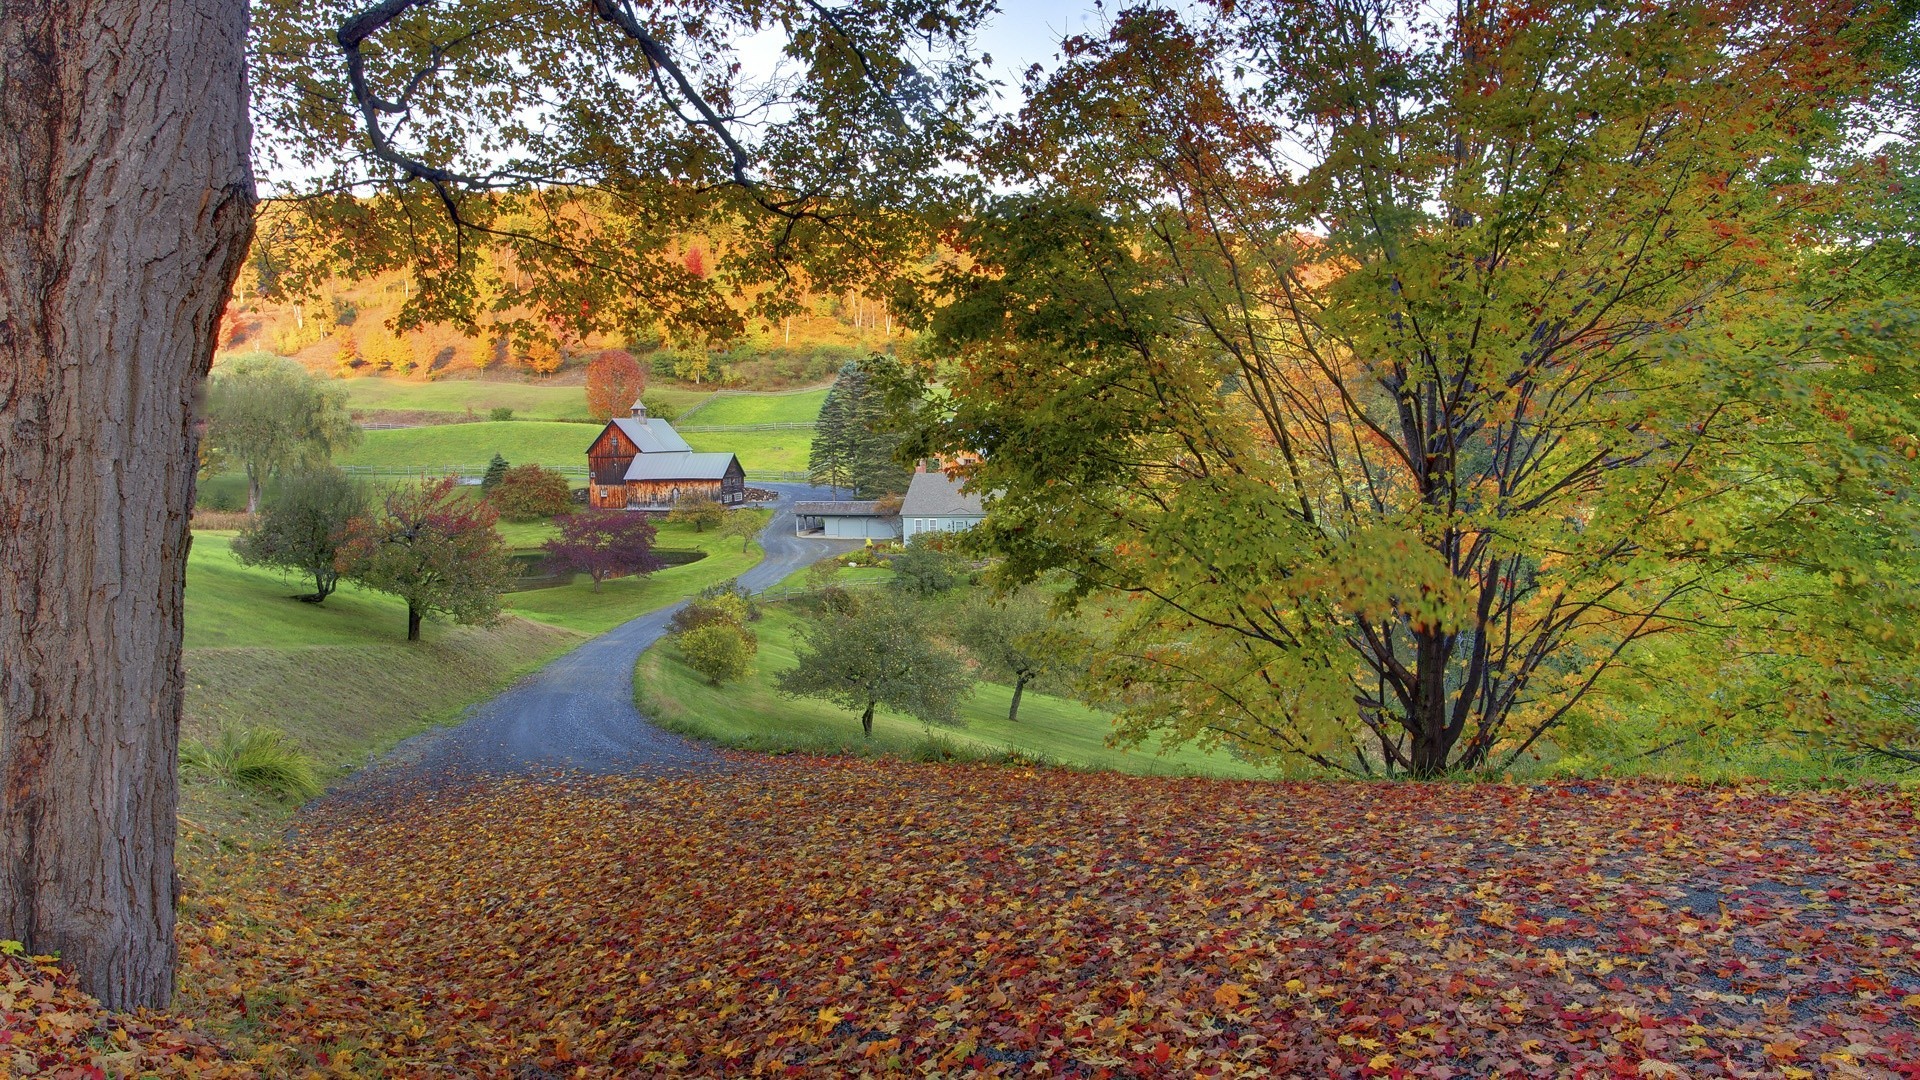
x=640 y=463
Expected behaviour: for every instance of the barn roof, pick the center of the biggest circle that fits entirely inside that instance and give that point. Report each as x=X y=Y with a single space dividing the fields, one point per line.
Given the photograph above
x=932 y=494
x=652 y=436
x=837 y=509
x=680 y=465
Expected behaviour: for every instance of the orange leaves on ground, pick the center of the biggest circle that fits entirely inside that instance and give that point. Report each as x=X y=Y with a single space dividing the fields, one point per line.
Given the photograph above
x=829 y=918
x=49 y=1028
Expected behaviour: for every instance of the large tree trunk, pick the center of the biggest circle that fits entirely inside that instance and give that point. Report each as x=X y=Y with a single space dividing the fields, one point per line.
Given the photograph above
x=866 y=722
x=413 y=623
x=126 y=201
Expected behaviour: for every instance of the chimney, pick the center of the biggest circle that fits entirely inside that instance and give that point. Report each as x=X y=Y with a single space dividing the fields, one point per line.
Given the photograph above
x=639 y=411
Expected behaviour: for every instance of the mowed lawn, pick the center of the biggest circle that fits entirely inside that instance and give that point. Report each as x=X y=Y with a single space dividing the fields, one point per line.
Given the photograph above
x=806 y=917
x=799 y=407
x=750 y=714
x=552 y=443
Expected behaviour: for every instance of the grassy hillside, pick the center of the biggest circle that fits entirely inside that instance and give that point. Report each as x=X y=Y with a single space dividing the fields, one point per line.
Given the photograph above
x=529 y=401
x=551 y=443
x=796 y=408
x=750 y=715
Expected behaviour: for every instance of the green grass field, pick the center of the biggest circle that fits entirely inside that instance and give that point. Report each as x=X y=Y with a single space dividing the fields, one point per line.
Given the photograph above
x=552 y=443
x=479 y=396
x=796 y=408
x=750 y=715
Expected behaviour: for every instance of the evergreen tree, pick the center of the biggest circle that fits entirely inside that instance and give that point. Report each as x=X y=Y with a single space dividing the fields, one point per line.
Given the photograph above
x=827 y=460
x=850 y=446
x=496 y=471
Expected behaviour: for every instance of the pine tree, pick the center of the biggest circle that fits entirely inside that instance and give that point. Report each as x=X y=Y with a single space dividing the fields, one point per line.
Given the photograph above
x=496 y=471
x=850 y=446
x=827 y=461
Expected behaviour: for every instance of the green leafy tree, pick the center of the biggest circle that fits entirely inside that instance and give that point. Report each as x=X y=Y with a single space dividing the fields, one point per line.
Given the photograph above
x=742 y=524
x=269 y=415
x=1015 y=638
x=881 y=654
x=1411 y=450
x=697 y=511
x=434 y=548
x=302 y=527
x=530 y=493
x=926 y=568
x=720 y=650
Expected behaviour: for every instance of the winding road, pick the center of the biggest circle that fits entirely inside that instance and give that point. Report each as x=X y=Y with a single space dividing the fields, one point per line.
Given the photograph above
x=577 y=712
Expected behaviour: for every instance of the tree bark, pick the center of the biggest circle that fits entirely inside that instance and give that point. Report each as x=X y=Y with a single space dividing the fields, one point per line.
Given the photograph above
x=866 y=722
x=413 y=623
x=126 y=203
x=1019 y=686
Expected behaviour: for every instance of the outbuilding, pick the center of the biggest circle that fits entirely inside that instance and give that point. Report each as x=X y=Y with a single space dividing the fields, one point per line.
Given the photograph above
x=845 y=520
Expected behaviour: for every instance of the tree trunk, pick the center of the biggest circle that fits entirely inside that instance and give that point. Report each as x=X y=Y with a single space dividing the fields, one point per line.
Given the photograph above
x=1019 y=687
x=1433 y=739
x=413 y=623
x=126 y=202
x=253 y=490
x=866 y=722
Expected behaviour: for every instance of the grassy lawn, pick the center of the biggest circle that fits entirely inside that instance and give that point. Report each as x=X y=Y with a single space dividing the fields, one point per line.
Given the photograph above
x=799 y=407
x=463 y=395
x=759 y=451
x=520 y=442
x=750 y=715
x=578 y=607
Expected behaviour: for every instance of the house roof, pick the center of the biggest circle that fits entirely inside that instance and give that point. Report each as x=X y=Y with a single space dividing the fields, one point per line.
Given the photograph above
x=652 y=436
x=837 y=509
x=678 y=465
x=932 y=494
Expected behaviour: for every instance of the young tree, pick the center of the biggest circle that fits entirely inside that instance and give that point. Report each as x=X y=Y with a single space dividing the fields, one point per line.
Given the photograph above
x=698 y=511
x=743 y=524
x=1408 y=452
x=602 y=543
x=530 y=493
x=1014 y=637
x=302 y=526
x=542 y=356
x=615 y=380
x=267 y=413
x=880 y=654
x=112 y=280
x=434 y=548
x=496 y=471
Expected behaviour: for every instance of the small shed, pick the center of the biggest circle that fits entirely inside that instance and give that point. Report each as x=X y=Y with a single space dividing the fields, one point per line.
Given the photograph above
x=846 y=520
x=935 y=503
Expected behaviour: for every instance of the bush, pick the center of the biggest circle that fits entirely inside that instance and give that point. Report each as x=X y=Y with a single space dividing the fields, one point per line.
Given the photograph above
x=500 y=412
x=719 y=650
x=257 y=759
x=923 y=569
x=531 y=493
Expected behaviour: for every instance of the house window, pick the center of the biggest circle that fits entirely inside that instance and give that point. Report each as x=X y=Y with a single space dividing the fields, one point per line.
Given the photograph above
x=919 y=524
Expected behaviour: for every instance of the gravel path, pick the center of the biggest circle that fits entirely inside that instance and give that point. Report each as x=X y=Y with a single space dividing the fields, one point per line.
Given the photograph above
x=577 y=712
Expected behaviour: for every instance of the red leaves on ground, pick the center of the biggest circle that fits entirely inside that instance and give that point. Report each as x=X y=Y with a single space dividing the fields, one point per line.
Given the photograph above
x=830 y=918
x=49 y=1028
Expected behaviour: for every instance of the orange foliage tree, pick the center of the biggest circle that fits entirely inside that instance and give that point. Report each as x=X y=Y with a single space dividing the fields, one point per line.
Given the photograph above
x=615 y=380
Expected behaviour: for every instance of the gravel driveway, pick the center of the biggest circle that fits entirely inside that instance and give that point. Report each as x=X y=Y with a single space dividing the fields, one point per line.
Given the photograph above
x=577 y=712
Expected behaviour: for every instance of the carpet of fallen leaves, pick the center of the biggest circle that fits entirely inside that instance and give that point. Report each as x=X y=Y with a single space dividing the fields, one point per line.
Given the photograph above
x=49 y=1028
x=832 y=918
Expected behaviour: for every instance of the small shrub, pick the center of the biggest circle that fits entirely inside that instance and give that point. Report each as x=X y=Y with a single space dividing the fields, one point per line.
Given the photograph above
x=530 y=493
x=721 y=651
x=256 y=759
x=500 y=412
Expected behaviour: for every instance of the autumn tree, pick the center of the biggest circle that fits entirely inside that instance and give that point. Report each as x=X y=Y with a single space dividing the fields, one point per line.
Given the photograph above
x=127 y=194
x=879 y=654
x=602 y=543
x=530 y=493
x=720 y=651
x=433 y=547
x=302 y=527
x=1422 y=381
x=541 y=356
x=615 y=381
x=269 y=415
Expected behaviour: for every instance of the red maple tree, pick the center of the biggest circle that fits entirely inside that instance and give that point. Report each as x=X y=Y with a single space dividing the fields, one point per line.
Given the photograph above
x=615 y=381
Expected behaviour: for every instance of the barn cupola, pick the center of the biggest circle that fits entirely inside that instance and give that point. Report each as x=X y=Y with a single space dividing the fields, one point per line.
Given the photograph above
x=639 y=411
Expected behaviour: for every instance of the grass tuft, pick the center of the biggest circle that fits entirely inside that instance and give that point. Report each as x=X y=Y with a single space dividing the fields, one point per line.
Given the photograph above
x=257 y=759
